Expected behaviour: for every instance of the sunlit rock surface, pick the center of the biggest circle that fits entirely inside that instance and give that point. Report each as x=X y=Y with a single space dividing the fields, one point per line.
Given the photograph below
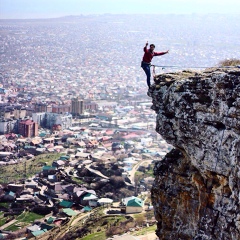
x=196 y=193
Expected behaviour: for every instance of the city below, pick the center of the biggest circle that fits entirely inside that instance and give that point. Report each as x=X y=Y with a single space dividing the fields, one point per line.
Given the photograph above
x=77 y=132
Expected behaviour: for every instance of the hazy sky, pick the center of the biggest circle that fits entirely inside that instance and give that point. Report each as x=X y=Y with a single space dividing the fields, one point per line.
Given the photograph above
x=56 y=8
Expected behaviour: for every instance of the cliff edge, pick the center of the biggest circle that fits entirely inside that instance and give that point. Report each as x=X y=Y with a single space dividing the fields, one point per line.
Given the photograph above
x=196 y=193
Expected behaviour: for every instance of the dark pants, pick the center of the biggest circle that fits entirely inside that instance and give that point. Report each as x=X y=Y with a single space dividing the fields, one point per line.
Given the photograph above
x=146 y=69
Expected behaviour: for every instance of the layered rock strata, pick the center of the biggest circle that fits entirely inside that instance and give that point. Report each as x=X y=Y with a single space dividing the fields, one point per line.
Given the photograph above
x=196 y=193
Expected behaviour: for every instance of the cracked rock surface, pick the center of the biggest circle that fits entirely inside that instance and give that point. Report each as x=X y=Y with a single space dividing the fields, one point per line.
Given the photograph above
x=196 y=193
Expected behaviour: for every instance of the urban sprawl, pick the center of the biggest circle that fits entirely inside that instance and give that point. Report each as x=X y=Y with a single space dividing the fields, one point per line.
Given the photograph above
x=76 y=124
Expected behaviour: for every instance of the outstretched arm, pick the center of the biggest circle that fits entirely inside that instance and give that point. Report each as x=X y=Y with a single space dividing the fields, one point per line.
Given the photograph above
x=145 y=48
x=160 y=53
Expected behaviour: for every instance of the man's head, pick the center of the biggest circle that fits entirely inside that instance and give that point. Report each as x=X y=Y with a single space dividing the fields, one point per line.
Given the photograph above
x=152 y=46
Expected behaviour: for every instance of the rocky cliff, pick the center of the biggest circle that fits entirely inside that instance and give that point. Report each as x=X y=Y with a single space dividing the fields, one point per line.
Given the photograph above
x=196 y=193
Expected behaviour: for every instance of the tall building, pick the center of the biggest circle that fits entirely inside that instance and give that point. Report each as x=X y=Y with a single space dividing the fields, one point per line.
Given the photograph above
x=12 y=111
x=77 y=106
x=40 y=119
x=28 y=128
x=42 y=107
x=90 y=106
x=61 y=108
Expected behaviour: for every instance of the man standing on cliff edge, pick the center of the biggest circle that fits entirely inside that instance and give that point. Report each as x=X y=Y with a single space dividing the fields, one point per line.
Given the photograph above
x=147 y=58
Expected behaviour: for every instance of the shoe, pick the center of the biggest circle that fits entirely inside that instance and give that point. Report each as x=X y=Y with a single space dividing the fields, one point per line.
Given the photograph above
x=151 y=87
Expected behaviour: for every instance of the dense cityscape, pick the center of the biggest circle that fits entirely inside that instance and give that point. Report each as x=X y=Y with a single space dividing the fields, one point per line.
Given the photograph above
x=76 y=125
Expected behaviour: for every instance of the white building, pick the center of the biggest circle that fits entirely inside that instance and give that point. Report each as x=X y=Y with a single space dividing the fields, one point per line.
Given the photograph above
x=146 y=142
x=39 y=118
x=8 y=125
x=48 y=119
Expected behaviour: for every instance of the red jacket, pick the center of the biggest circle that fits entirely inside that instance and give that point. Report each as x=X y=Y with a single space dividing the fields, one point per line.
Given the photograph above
x=148 y=55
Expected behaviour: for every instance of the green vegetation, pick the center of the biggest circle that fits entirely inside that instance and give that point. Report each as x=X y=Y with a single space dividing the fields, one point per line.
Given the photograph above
x=139 y=219
x=98 y=226
x=149 y=172
x=4 y=204
x=145 y=231
x=11 y=173
x=77 y=180
x=23 y=220
x=29 y=217
x=2 y=219
x=138 y=176
x=12 y=228
x=229 y=62
x=98 y=236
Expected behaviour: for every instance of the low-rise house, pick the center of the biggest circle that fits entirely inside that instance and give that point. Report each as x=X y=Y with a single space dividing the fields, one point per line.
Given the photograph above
x=30 y=230
x=25 y=198
x=15 y=187
x=52 y=178
x=132 y=205
x=31 y=185
x=50 y=220
x=48 y=170
x=85 y=197
x=37 y=230
x=61 y=191
x=45 y=226
x=80 y=144
x=106 y=139
x=116 y=146
x=60 y=163
x=146 y=142
x=87 y=209
x=9 y=196
x=3 y=235
x=89 y=199
x=30 y=149
x=63 y=196
x=64 y=158
x=81 y=155
x=77 y=194
x=74 y=163
x=58 y=188
x=69 y=212
x=65 y=204
x=92 y=144
x=105 y=201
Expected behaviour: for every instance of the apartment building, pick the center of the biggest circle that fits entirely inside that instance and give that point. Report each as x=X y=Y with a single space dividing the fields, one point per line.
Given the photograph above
x=28 y=128
x=77 y=106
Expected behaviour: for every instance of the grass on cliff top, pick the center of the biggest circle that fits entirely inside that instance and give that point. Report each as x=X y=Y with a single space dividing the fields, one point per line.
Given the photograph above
x=229 y=62
x=15 y=172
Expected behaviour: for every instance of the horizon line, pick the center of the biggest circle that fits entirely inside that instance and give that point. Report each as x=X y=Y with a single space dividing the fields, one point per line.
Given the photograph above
x=102 y=14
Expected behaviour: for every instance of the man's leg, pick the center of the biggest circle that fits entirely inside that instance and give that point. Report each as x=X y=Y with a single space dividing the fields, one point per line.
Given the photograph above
x=146 y=69
x=148 y=73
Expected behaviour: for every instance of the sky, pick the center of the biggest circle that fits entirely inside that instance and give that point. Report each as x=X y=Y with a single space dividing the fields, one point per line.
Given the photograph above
x=24 y=9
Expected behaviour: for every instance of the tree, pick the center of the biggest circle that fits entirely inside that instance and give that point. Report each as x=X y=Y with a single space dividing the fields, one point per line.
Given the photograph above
x=139 y=219
x=117 y=181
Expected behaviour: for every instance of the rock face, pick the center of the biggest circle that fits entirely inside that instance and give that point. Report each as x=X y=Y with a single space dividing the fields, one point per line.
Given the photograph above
x=196 y=193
